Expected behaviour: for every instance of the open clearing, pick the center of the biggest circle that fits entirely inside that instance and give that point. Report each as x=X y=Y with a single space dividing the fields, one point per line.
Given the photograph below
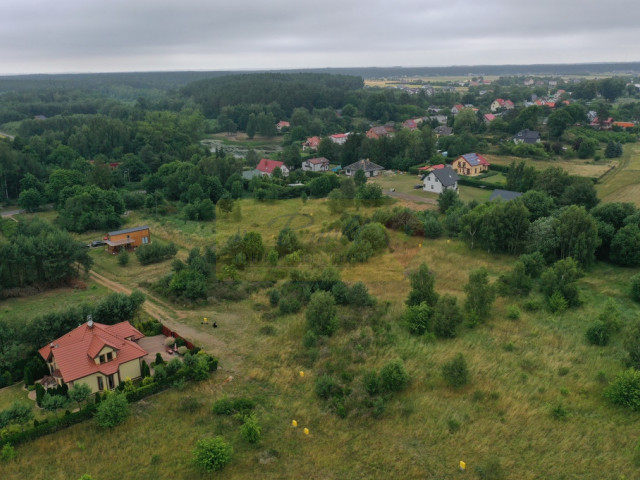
x=623 y=183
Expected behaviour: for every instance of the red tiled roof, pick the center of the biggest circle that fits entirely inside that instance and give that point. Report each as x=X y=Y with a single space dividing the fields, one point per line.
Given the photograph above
x=74 y=353
x=490 y=116
x=312 y=141
x=318 y=161
x=268 y=166
x=339 y=135
x=458 y=106
x=624 y=124
x=431 y=167
x=282 y=123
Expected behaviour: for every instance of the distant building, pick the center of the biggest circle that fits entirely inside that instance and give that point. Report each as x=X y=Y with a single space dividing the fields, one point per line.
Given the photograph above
x=339 y=138
x=312 y=143
x=266 y=167
x=127 y=239
x=320 y=164
x=527 y=136
x=370 y=169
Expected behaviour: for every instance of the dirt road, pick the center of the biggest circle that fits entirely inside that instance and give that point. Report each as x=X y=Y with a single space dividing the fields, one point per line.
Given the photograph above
x=170 y=317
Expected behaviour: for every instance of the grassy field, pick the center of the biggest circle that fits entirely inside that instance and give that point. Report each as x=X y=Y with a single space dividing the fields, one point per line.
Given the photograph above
x=623 y=183
x=582 y=168
x=520 y=371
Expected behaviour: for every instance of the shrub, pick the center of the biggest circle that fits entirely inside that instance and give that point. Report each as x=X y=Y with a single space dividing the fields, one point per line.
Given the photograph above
x=513 y=312
x=394 y=377
x=224 y=406
x=309 y=339
x=159 y=359
x=274 y=297
x=182 y=350
x=446 y=317
x=169 y=341
x=250 y=430
x=418 y=319
x=559 y=411
x=212 y=454
x=289 y=305
x=490 y=469
x=371 y=382
x=455 y=372
x=7 y=453
x=321 y=314
x=155 y=252
x=358 y=295
x=112 y=411
x=625 y=389
x=123 y=258
x=327 y=387
x=422 y=287
x=599 y=333
x=557 y=303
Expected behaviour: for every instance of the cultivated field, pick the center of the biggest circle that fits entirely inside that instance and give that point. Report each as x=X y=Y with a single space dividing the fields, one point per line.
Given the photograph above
x=623 y=183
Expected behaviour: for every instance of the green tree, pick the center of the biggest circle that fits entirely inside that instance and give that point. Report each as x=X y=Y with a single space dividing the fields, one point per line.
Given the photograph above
x=447 y=199
x=417 y=318
x=465 y=121
x=113 y=410
x=394 y=377
x=480 y=294
x=31 y=200
x=625 y=246
x=577 y=234
x=252 y=246
x=53 y=403
x=561 y=278
x=287 y=242
x=625 y=389
x=123 y=258
x=212 y=454
x=252 y=126
x=250 y=429
x=422 y=287
x=321 y=314
x=558 y=122
x=455 y=372
x=360 y=178
x=80 y=393
x=446 y=317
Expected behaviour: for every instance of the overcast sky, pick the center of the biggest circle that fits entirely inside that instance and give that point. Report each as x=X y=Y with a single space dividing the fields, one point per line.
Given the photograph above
x=53 y=36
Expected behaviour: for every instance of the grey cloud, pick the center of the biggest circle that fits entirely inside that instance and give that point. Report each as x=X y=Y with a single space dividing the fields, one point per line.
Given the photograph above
x=99 y=35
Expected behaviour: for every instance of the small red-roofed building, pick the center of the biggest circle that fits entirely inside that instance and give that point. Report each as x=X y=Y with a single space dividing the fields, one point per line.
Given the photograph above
x=339 y=138
x=377 y=132
x=282 y=124
x=488 y=118
x=624 y=124
x=429 y=168
x=266 y=167
x=456 y=109
x=102 y=356
x=312 y=143
x=497 y=104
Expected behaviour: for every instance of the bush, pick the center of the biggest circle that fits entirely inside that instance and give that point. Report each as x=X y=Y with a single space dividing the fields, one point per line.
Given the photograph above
x=112 y=411
x=599 y=333
x=394 y=377
x=490 y=469
x=321 y=314
x=557 y=303
x=274 y=297
x=371 y=382
x=289 y=305
x=123 y=258
x=358 y=295
x=7 y=453
x=418 y=319
x=250 y=430
x=224 y=406
x=212 y=454
x=327 y=387
x=625 y=390
x=446 y=317
x=455 y=372
x=155 y=252
x=513 y=312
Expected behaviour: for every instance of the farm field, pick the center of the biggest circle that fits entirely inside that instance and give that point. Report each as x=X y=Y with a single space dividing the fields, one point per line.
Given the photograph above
x=521 y=371
x=623 y=183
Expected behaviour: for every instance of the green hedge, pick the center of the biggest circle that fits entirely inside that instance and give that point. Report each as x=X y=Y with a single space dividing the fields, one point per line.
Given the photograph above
x=51 y=426
x=472 y=182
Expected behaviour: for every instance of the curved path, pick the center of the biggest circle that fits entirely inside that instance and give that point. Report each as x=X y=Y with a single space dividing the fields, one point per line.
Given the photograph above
x=170 y=317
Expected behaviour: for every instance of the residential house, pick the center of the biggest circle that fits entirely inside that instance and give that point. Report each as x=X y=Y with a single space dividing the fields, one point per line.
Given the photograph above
x=429 y=168
x=457 y=108
x=370 y=169
x=441 y=119
x=412 y=123
x=282 y=124
x=505 y=195
x=249 y=174
x=624 y=125
x=377 y=132
x=339 y=138
x=527 y=136
x=320 y=164
x=443 y=131
x=312 y=143
x=102 y=356
x=497 y=104
x=602 y=125
x=470 y=164
x=128 y=239
x=441 y=179
x=487 y=118
x=266 y=167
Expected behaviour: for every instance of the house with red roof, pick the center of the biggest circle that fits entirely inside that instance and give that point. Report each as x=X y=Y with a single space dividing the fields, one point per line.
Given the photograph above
x=456 y=109
x=429 y=168
x=470 y=164
x=312 y=143
x=377 y=132
x=266 y=167
x=339 y=138
x=497 y=104
x=282 y=124
x=488 y=118
x=102 y=356
x=624 y=124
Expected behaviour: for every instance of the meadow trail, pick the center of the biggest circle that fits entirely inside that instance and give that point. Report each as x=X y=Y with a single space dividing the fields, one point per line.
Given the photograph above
x=170 y=317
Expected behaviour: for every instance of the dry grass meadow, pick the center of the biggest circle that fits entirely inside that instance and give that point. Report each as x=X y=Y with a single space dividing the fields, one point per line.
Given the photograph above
x=520 y=370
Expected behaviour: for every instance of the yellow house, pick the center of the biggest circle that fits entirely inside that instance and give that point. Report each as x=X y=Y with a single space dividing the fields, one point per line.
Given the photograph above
x=102 y=356
x=470 y=164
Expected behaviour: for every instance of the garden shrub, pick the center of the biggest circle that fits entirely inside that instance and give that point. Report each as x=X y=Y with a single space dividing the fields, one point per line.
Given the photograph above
x=371 y=382
x=418 y=319
x=112 y=411
x=326 y=387
x=250 y=430
x=599 y=333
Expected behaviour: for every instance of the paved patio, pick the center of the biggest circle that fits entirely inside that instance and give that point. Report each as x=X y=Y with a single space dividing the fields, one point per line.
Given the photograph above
x=154 y=345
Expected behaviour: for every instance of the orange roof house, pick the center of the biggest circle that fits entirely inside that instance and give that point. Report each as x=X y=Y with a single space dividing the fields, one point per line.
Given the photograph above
x=377 y=132
x=311 y=143
x=102 y=356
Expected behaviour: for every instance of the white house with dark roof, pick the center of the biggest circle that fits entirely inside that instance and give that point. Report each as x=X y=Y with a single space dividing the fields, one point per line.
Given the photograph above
x=319 y=164
x=441 y=179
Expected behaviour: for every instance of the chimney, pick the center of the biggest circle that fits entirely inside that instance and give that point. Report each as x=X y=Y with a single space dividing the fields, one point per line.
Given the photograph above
x=89 y=321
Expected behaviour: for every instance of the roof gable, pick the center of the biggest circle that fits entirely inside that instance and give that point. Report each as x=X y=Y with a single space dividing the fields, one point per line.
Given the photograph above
x=446 y=176
x=268 y=166
x=366 y=165
x=475 y=159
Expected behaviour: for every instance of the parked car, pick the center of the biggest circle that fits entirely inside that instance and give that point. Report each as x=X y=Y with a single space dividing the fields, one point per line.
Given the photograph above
x=98 y=243
x=418 y=185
